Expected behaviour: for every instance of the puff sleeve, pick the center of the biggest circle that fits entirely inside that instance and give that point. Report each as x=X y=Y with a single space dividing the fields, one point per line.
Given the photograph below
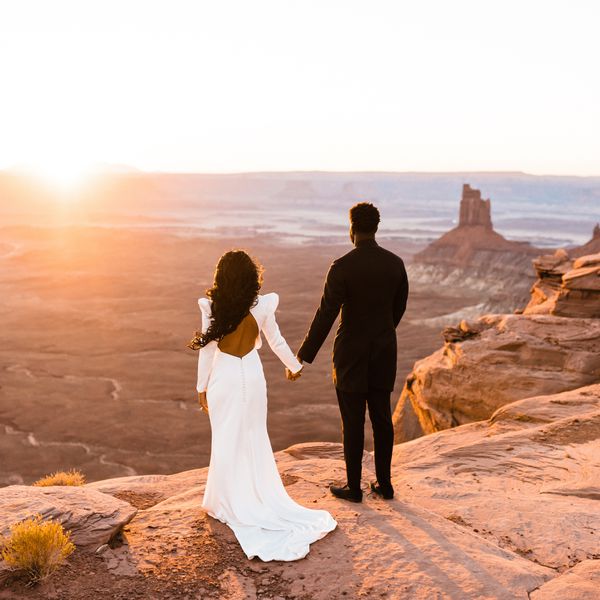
x=274 y=338
x=206 y=354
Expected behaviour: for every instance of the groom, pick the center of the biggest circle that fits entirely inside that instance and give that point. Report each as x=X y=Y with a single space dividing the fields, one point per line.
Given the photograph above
x=370 y=286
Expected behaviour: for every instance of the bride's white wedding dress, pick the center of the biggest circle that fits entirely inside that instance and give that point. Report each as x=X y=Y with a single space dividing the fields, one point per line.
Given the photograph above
x=244 y=488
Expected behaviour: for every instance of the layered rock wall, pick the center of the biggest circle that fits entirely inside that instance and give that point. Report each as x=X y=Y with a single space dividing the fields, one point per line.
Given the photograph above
x=566 y=287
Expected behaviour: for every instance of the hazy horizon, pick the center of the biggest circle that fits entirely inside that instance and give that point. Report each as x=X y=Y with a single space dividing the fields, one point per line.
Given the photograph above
x=129 y=169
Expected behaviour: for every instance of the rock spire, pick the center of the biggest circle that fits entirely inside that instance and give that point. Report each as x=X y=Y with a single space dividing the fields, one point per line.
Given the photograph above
x=473 y=209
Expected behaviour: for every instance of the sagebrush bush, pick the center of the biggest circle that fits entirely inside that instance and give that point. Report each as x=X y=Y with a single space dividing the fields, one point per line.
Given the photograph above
x=72 y=477
x=36 y=547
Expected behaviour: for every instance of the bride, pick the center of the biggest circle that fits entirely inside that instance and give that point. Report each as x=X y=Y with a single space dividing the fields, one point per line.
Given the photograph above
x=244 y=488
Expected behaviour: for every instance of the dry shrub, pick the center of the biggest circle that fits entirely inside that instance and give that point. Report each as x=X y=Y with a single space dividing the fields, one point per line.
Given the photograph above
x=72 y=477
x=36 y=547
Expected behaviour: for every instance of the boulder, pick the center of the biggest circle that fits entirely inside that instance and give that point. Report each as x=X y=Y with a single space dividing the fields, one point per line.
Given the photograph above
x=92 y=517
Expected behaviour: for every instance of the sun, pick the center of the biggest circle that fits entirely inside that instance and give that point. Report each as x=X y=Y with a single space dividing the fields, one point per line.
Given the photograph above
x=63 y=175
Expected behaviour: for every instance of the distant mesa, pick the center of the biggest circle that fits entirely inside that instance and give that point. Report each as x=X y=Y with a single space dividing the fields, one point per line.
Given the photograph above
x=350 y=190
x=474 y=233
x=297 y=189
x=313 y=191
x=474 y=256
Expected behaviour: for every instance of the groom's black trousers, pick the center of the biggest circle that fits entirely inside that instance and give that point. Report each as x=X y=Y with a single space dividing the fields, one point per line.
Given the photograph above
x=352 y=408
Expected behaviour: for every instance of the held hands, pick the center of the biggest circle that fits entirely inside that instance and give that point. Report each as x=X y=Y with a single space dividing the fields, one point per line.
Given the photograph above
x=293 y=376
x=203 y=402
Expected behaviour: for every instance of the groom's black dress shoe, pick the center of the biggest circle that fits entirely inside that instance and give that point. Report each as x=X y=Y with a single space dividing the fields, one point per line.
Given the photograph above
x=387 y=493
x=346 y=493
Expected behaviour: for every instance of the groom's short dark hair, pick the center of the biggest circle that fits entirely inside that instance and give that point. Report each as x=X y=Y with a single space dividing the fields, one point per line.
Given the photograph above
x=364 y=217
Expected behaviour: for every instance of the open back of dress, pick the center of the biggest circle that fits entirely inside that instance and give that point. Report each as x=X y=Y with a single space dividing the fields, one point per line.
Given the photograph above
x=242 y=340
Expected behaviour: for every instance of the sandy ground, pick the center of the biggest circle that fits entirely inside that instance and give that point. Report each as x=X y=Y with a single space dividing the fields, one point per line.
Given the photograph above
x=94 y=369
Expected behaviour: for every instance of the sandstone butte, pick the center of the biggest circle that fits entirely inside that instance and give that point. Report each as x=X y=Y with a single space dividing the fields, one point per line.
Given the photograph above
x=475 y=257
x=502 y=508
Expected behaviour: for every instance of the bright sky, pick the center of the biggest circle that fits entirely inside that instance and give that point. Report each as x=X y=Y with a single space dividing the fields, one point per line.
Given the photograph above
x=223 y=85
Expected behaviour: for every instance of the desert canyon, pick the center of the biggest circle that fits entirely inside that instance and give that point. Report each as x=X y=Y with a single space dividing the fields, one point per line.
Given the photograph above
x=497 y=458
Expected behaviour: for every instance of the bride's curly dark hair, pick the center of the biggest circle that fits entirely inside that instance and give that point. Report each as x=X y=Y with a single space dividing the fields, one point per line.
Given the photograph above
x=238 y=279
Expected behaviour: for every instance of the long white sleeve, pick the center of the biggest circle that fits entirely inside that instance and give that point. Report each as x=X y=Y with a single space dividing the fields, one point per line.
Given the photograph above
x=277 y=341
x=206 y=354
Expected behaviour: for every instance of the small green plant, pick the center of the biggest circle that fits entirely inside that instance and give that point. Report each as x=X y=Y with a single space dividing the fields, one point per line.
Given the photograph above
x=72 y=477
x=36 y=547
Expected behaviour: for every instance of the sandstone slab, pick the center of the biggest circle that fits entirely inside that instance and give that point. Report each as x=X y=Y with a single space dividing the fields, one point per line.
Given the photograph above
x=92 y=517
x=380 y=549
x=526 y=479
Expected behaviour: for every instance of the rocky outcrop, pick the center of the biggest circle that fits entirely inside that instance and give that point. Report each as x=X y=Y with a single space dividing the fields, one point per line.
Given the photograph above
x=553 y=346
x=92 y=517
x=489 y=510
x=475 y=257
x=566 y=286
x=493 y=361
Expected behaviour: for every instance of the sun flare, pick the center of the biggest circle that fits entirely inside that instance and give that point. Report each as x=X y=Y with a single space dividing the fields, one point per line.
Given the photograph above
x=63 y=175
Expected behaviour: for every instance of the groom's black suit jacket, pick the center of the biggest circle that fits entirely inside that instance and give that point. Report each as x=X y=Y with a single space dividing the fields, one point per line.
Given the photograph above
x=370 y=286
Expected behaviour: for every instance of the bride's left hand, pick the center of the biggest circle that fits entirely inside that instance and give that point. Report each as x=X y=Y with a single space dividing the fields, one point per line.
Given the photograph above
x=203 y=401
x=293 y=376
